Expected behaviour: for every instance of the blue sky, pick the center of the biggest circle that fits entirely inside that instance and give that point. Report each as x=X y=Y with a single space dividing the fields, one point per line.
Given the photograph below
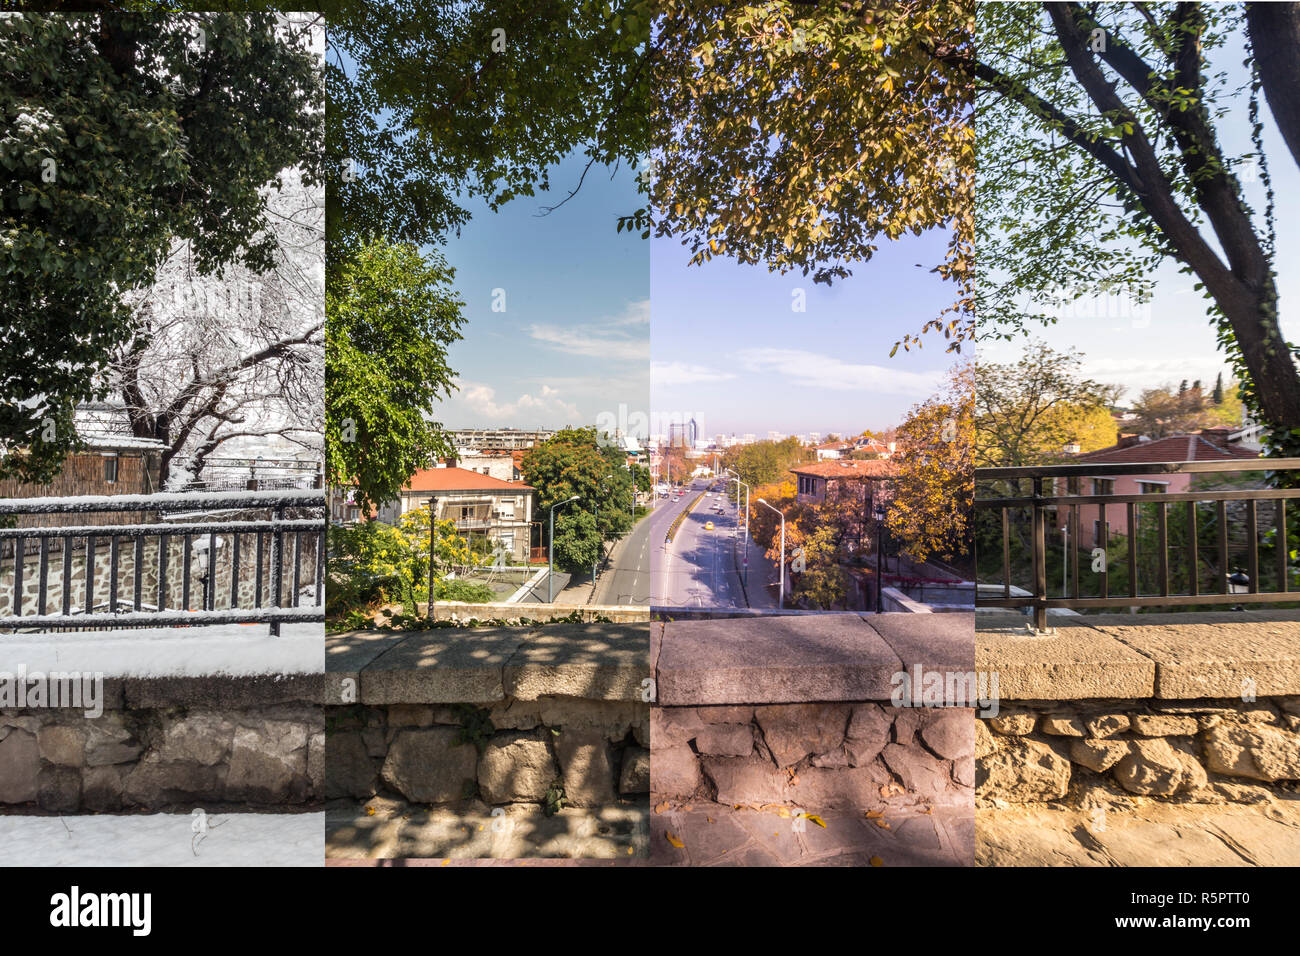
x=572 y=344
x=729 y=350
x=1170 y=338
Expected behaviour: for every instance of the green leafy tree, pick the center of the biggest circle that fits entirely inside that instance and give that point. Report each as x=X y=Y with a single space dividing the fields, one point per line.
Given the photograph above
x=932 y=495
x=373 y=563
x=124 y=133
x=390 y=316
x=436 y=99
x=766 y=462
x=1104 y=151
x=579 y=461
x=1027 y=411
x=577 y=544
x=821 y=584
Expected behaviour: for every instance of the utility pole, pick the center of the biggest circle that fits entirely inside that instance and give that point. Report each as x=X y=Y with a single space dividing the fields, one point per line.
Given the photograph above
x=433 y=541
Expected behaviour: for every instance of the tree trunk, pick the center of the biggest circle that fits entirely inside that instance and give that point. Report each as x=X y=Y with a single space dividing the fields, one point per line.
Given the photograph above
x=1275 y=34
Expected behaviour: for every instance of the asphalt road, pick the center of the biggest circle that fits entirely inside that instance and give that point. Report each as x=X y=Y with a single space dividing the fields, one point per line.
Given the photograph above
x=698 y=569
x=624 y=577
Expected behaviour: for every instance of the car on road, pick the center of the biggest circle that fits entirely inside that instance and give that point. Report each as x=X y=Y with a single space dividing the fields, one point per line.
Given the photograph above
x=708 y=526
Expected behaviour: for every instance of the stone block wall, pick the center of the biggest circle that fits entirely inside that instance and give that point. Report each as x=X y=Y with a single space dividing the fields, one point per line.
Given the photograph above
x=159 y=758
x=590 y=753
x=1090 y=751
x=814 y=756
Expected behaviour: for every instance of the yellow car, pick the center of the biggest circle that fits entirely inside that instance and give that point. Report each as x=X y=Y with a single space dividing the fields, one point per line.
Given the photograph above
x=708 y=526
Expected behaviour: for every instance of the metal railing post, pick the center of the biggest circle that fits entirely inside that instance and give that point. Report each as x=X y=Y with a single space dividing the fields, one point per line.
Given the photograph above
x=1040 y=558
x=277 y=566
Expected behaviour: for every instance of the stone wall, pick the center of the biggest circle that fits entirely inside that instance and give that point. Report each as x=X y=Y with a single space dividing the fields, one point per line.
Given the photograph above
x=824 y=756
x=162 y=757
x=800 y=711
x=1184 y=707
x=551 y=715
x=557 y=751
x=149 y=574
x=1089 y=751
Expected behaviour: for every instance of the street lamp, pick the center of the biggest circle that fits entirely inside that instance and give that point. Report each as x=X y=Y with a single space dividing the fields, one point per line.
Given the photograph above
x=880 y=546
x=736 y=476
x=1238 y=583
x=550 y=561
x=780 y=567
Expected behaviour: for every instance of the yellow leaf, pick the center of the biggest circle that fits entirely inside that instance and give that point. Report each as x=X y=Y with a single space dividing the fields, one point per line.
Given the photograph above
x=816 y=819
x=673 y=840
x=877 y=861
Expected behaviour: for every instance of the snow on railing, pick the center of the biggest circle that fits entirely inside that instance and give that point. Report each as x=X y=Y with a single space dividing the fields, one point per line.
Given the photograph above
x=254 y=596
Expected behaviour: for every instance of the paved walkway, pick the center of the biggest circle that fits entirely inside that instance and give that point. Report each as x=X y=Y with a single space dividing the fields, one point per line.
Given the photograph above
x=1153 y=834
x=713 y=835
x=389 y=829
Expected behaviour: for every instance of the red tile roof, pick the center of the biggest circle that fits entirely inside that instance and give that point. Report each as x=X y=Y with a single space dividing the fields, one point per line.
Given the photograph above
x=849 y=469
x=1173 y=448
x=461 y=479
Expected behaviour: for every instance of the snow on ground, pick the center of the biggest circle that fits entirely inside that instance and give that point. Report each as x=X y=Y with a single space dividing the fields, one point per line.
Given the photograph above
x=238 y=650
x=165 y=839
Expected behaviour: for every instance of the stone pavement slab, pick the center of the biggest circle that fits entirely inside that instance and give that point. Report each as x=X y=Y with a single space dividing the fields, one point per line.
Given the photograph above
x=594 y=661
x=348 y=654
x=1215 y=655
x=713 y=835
x=1073 y=661
x=1154 y=834
x=944 y=644
x=772 y=660
x=443 y=666
x=405 y=831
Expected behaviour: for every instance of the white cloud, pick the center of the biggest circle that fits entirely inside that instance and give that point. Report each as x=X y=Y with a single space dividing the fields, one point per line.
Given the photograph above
x=681 y=373
x=810 y=370
x=482 y=400
x=620 y=338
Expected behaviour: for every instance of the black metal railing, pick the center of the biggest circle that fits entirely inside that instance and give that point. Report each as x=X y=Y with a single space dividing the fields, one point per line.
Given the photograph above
x=1232 y=522
x=198 y=522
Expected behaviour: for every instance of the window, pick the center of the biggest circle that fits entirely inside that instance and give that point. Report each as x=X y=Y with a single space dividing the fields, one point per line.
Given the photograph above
x=110 y=469
x=1103 y=486
x=1152 y=487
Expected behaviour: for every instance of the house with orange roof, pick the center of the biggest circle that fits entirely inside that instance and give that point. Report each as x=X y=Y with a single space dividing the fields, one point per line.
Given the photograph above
x=480 y=506
x=815 y=481
x=1137 y=451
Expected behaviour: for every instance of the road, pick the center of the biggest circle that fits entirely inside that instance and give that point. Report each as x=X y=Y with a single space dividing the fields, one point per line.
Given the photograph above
x=624 y=576
x=699 y=568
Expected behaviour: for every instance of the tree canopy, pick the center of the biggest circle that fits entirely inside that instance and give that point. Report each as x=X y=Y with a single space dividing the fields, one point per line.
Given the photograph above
x=1102 y=152
x=578 y=461
x=390 y=316
x=124 y=133
x=800 y=135
x=437 y=98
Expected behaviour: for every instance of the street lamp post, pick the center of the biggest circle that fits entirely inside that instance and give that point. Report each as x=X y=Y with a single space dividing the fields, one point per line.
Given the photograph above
x=433 y=541
x=780 y=567
x=738 y=485
x=880 y=545
x=550 y=561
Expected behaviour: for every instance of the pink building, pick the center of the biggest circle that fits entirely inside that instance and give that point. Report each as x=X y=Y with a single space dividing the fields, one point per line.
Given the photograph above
x=1132 y=450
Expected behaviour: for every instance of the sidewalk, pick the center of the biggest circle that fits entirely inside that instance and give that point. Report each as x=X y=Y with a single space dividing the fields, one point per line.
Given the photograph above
x=710 y=835
x=762 y=571
x=1149 y=834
